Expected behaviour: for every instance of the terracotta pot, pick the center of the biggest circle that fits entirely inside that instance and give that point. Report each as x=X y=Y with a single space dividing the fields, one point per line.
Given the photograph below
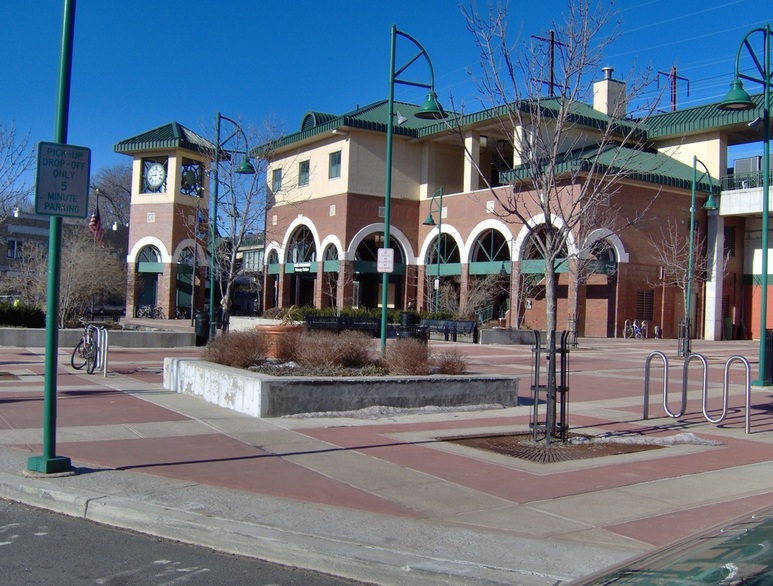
x=274 y=333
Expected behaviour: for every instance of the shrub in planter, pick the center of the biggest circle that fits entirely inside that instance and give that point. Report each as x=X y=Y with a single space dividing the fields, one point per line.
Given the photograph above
x=408 y=357
x=238 y=349
x=450 y=362
x=348 y=349
x=21 y=315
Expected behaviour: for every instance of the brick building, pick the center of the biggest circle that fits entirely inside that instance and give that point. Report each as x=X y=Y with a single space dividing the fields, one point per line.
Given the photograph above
x=327 y=222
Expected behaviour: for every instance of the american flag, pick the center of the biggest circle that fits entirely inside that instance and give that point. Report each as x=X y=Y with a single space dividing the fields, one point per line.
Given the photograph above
x=95 y=226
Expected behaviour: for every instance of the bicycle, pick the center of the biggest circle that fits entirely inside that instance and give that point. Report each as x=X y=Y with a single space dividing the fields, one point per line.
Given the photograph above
x=632 y=329
x=87 y=349
x=147 y=311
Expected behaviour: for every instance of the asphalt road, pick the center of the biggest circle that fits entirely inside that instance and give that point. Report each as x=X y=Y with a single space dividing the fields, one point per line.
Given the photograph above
x=40 y=547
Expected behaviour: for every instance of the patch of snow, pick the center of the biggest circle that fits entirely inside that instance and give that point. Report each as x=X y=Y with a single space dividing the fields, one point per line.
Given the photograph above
x=685 y=438
x=381 y=411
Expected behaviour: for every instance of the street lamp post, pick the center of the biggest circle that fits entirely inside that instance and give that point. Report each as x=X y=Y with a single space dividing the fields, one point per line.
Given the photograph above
x=709 y=205
x=429 y=110
x=737 y=99
x=245 y=168
x=430 y=221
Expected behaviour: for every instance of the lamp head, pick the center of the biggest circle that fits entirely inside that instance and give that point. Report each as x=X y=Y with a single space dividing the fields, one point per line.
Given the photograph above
x=431 y=109
x=245 y=168
x=429 y=221
x=711 y=203
x=736 y=98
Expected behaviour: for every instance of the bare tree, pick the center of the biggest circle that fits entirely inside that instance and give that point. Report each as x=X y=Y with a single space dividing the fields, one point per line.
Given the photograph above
x=16 y=159
x=565 y=163
x=671 y=250
x=113 y=187
x=242 y=203
x=89 y=274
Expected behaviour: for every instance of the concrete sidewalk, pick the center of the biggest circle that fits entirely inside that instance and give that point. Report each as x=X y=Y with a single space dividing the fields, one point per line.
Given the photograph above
x=384 y=499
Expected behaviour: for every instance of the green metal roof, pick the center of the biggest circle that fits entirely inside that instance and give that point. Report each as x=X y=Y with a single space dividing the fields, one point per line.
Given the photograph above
x=697 y=119
x=579 y=113
x=170 y=136
x=651 y=167
x=370 y=117
x=374 y=117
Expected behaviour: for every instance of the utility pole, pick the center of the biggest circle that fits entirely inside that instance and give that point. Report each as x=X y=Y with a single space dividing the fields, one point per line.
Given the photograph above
x=673 y=79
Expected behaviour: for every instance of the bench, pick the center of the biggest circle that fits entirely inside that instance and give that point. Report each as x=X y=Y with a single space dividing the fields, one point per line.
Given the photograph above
x=369 y=325
x=451 y=328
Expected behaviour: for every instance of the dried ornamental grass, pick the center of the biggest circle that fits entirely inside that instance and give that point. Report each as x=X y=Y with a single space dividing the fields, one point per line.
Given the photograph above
x=323 y=349
x=408 y=357
x=238 y=349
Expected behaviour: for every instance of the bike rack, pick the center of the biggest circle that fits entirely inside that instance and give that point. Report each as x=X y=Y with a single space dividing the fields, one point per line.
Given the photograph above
x=685 y=370
x=103 y=348
x=645 y=414
x=747 y=367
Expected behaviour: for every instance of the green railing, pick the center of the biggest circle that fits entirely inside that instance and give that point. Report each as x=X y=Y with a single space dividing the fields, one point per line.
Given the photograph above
x=485 y=314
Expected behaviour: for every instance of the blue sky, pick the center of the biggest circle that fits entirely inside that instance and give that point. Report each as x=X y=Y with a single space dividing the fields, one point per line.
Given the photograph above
x=142 y=63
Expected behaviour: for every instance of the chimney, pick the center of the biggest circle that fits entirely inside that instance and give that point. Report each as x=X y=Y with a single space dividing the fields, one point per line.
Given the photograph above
x=609 y=95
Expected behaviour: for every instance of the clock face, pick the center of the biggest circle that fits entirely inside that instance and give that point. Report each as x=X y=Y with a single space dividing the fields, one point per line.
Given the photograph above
x=156 y=175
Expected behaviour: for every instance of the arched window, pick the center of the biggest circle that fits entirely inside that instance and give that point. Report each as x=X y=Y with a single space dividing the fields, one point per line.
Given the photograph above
x=449 y=251
x=302 y=248
x=149 y=254
x=490 y=246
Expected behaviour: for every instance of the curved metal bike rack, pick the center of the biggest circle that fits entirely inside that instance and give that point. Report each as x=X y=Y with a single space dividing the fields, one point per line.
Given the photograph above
x=645 y=414
x=685 y=370
x=102 y=349
x=748 y=382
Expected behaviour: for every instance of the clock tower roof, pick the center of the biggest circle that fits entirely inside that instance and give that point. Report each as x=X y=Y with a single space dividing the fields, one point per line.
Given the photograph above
x=169 y=136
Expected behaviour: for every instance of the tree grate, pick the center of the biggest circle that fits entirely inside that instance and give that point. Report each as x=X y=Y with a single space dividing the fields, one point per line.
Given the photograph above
x=523 y=446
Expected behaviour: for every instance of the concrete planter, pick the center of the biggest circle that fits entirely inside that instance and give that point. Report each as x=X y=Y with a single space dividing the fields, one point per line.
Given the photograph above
x=508 y=336
x=260 y=395
x=36 y=338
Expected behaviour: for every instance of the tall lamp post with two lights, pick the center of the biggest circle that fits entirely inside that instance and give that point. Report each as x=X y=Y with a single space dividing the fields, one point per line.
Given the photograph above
x=738 y=99
x=429 y=110
x=244 y=168
x=430 y=221
x=710 y=205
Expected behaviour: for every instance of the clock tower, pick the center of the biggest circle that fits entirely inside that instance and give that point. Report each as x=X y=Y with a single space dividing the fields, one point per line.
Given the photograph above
x=167 y=260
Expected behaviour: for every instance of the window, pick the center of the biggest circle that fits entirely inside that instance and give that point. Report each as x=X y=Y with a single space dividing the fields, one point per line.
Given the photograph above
x=191 y=175
x=14 y=249
x=644 y=302
x=303 y=173
x=334 y=170
x=276 y=180
x=729 y=240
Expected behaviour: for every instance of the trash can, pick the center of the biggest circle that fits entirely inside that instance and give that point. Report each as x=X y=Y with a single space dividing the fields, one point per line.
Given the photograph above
x=767 y=372
x=409 y=318
x=201 y=327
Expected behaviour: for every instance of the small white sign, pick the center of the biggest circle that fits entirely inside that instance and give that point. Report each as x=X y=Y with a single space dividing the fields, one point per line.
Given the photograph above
x=62 y=182
x=386 y=260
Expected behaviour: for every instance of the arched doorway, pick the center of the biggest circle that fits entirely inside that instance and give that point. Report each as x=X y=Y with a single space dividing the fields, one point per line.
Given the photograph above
x=443 y=270
x=186 y=281
x=488 y=289
x=368 y=280
x=301 y=267
x=271 y=294
x=599 y=275
x=149 y=267
x=531 y=286
x=330 y=271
